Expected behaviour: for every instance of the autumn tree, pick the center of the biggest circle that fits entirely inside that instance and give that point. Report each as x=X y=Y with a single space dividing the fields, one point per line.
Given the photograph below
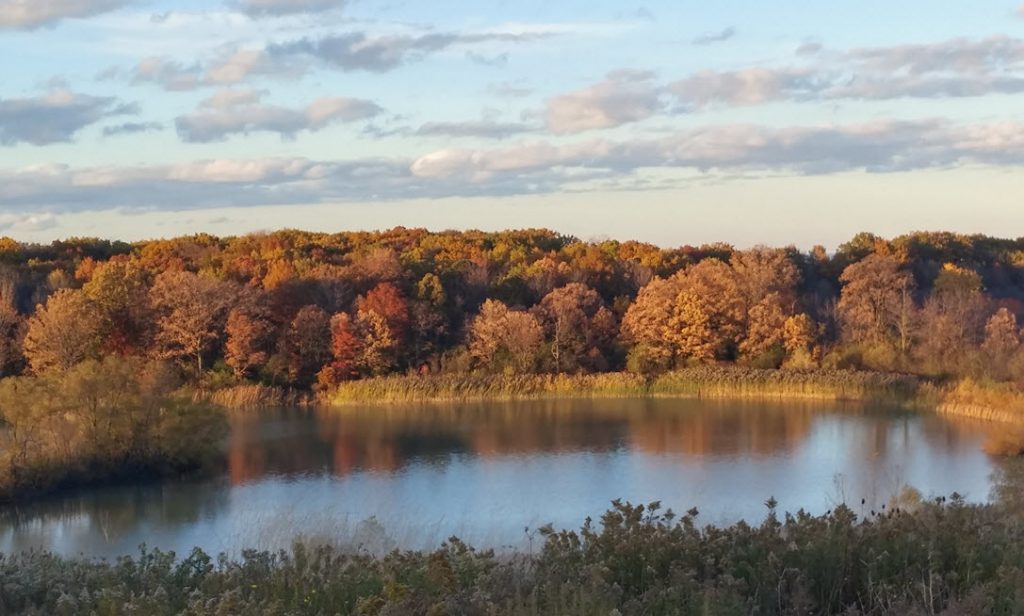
x=799 y=338
x=696 y=315
x=387 y=300
x=307 y=344
x=428 y=322
x=762 y=272
x=12 y=335
x=249 y=341
x=191 y=314
x=578 y=326
x=767 y=280
x=119 y=291
x=952 y=319
x=501 y=339
x=379 y=347
x=346 y=352
x=645 y=325
x=382 y=319
x=763 y=343
x=62 y=333
x=876 y=306
x=1002 y=342
x=709 y=315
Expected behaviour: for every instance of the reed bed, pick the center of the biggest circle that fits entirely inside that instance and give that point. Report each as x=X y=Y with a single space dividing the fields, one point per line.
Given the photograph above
x=253 y=396
x=699 y=382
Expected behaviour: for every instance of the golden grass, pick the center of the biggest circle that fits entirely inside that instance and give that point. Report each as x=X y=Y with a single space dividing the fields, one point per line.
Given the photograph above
x=700 y=382
x=251 y=396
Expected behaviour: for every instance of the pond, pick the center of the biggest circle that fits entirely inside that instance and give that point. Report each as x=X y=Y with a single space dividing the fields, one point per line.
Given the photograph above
x=492 y=473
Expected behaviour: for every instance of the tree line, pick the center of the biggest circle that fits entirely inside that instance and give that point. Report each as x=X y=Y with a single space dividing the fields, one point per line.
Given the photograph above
x=298 y=309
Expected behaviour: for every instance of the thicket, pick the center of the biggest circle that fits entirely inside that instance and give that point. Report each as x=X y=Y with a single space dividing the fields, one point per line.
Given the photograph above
x=101 y=421
x=946 y=557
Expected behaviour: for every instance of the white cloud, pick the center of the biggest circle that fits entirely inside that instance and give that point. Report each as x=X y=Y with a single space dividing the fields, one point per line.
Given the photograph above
x=231 y=112
x=623 y=97
x=31 y=14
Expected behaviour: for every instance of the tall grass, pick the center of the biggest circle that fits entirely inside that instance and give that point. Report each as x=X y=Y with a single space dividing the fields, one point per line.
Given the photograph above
x=946 y=557
x=252 y=396
x=699 y=382
x=968 y=398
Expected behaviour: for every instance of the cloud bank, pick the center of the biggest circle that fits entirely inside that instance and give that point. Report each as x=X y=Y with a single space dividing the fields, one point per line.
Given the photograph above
x=230 y=112
x=522 y=168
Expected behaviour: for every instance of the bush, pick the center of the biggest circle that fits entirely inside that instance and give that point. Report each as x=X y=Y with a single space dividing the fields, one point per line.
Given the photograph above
x=100 y=420
x=948 y=557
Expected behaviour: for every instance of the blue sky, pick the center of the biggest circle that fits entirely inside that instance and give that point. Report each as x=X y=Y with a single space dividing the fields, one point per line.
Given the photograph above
x=672 y=122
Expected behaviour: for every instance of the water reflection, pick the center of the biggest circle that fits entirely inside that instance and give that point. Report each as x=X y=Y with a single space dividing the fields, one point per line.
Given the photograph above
x=413 y=475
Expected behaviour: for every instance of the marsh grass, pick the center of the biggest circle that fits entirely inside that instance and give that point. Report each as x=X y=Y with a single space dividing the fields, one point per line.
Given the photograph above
x=948 y=557
x=252 y=396
x=699 y=382
x=967 y=398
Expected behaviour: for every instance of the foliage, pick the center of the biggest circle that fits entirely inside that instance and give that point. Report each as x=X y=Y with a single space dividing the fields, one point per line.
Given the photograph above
x=937 y=305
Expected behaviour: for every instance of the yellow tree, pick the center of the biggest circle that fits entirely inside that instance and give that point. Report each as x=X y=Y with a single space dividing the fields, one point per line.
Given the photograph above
x=192 y=311
x=765 y=333
x=876 y=305
x=503 y=339
x=690 y=328
x=62 y=333
x=646 y=324
x=712 y=300
x=1002 y=343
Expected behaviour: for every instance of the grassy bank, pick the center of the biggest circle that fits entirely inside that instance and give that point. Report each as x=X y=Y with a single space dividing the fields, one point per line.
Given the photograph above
x=948 y=558
x=702 y=382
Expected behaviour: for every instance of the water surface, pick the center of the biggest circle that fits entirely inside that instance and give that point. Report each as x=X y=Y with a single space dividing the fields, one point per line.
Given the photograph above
x=492 y=473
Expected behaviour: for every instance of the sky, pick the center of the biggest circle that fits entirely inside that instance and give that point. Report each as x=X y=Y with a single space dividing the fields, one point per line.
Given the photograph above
x=675 y=122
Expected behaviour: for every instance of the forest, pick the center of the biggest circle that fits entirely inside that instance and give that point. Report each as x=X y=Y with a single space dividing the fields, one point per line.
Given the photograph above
x=310 y=310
